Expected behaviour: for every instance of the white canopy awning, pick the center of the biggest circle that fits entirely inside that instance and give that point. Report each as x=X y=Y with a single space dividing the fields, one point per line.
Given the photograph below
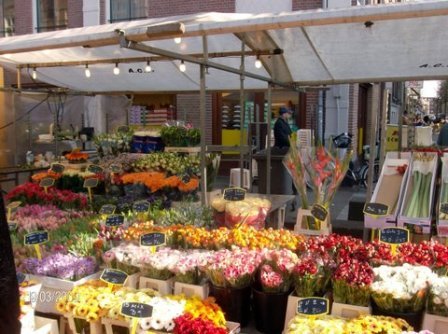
x=406 y=41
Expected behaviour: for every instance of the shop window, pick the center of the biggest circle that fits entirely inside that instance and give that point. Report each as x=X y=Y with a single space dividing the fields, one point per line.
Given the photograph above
x=51 y=15
x=7 y=15
x=128 y=10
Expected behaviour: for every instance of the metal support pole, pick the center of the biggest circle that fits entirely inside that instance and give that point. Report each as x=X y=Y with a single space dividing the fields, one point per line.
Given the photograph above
x=373 y=128
x=202 y=116
x=242 y=111
x=384 y=95
x=400 y=123
x=268 y=143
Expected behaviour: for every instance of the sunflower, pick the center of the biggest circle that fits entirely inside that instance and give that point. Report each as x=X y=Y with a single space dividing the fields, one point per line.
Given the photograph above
x=92 y=316
x=81 y=311
x=61 y=306
x=70 y=306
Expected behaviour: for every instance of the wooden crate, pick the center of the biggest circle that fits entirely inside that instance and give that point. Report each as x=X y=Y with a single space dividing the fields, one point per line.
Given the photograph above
x=163 y=287
x=435 y=323
x=190 y=290
x=325 y=228
x=349 y=311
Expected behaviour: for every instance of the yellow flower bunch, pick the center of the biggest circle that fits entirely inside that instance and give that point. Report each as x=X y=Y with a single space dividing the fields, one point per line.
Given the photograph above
x=366 y=324
x=94 y=300
x=369 y=324
x=206 y=309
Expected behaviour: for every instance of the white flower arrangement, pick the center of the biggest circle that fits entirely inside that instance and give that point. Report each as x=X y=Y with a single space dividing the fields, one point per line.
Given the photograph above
x=438 y=296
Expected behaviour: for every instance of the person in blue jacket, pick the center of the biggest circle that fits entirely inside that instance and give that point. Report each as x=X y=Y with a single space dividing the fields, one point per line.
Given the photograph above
x=282 y=130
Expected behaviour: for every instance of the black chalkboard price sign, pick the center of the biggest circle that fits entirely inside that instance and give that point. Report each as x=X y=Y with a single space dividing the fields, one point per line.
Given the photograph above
x=234 y=194
x=313 y=306
x=394 y=235
x=136 y=310
x=376 y=209
x=57 y=168
x=20 y=277
x=141 y=206
x=114 y=220
x=36 y=238
x=319 y=212
x=153 y=239
x=444 y=208
x=12 y=226
x=113 y=276
x=107 y=209
x=47 y=182
x=116 y=168
x=91 y=182
x=95 y=169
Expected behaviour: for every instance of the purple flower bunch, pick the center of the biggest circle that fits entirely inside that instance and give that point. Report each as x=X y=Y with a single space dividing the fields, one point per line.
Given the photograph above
x=64 y=266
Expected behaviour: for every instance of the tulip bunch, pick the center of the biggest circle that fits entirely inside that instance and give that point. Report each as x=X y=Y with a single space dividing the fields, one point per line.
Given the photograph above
x=309 y=278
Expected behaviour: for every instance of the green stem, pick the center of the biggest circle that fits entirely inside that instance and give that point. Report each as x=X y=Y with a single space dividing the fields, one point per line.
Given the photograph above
x=415 y=185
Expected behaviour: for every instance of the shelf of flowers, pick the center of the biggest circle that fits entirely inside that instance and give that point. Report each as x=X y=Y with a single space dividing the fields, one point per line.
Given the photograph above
x=239 y=266
x=419 y=195
x=389 y=190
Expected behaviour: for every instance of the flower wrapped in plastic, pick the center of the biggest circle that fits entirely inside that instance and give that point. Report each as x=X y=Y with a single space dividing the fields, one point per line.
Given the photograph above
x=159 y=265
x=309 y=278
x=186 y=270
x=401 y=289
x=351 y=283
x=438 y=297
x=322 y=168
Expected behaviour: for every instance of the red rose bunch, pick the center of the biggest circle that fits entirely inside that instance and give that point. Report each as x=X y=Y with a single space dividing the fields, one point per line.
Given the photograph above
x=414 y=254
x=187 y=324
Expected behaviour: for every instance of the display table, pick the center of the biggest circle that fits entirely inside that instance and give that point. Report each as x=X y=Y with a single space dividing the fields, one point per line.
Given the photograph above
x=12 y=173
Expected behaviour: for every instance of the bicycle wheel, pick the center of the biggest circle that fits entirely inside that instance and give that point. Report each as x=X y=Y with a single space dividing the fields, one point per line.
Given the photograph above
x=364 y=173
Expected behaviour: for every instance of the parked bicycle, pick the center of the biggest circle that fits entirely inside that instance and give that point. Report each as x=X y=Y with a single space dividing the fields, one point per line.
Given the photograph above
x=356 y=175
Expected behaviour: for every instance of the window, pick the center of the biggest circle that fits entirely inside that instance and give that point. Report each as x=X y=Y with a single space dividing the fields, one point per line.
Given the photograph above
x=7 y=15
x=397 y=92
x=127 y=10
x=51 y=15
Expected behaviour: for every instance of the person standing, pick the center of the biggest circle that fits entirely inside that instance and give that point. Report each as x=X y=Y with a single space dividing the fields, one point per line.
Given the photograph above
x=282 y=130
x=442 y=140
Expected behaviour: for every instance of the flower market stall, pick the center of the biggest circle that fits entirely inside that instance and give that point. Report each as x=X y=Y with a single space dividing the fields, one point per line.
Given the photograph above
x=103 y=247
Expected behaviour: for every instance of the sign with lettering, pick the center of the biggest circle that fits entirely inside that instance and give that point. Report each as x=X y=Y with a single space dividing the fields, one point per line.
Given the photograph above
x=91 y=182
x=141 y=206
x=319 y=212
x=153 y=239
x=57 y=168
x=136 y=310
x=36 y=238
x=394 y=235
x=13 y=205
x=95 y=169
x=114 y=276
x=107 y=209
x=444 y=208
x=12 y=226
x=313 y=306
x=234 y=194
x=376 y=209
x=114 y=220
x=116 y=168
x=21 y=277
x=47 y=182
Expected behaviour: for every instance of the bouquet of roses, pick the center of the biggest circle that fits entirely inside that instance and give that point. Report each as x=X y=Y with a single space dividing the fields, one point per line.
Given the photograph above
x=438 y=297
x=309 y=278
x=351 y=282
x=231 y=268
x=274 y=274
x=401 y=289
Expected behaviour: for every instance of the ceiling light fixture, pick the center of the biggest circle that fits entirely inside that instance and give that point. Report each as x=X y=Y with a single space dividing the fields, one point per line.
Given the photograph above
x=177 y=40
x=258 y=63
x=34 y=74
x=148 y=67
x=182 y=66
x=116 y=69
x=87 y=71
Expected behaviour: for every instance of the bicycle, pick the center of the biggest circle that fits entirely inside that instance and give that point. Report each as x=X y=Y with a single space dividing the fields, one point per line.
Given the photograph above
x=356 y=175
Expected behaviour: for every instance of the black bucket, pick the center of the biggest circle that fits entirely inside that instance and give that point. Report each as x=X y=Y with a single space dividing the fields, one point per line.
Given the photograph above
x=235 y=303
x=269 y=311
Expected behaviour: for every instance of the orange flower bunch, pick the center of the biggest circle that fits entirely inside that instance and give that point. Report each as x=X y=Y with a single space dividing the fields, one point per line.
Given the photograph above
x=43 y=175
x=158 y=180
x=76 y=155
